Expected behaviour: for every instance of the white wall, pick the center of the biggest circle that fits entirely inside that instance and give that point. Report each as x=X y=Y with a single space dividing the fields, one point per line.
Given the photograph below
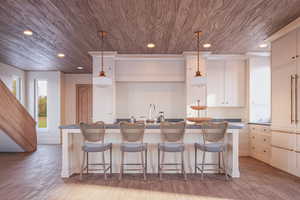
x=150 y=69
x=7 y=144
x=7 y=74
x=134 y=98
x=52 y=134
x=70 y=81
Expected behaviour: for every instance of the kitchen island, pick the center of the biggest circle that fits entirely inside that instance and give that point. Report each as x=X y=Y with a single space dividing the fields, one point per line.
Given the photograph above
x=72 y=155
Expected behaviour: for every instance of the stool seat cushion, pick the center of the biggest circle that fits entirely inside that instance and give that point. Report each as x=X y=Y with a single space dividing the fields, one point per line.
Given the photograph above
x=133 y=147
x=211 y=147
x=96 y=147
x=171 y=147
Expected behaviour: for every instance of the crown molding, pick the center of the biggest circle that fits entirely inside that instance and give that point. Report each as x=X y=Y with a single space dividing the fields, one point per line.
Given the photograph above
x=105 y=53
x=288 y=28
x=149 y=57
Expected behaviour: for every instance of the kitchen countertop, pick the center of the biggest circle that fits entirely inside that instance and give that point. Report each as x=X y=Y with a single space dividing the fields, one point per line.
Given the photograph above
x=260 y=123
x=154 y=126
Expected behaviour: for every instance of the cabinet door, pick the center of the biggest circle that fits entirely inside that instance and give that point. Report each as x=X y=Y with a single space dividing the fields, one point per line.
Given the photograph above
x=215 y=83
x=282 y=106
x=284 y=160
x=235 y=83
x=284 y=49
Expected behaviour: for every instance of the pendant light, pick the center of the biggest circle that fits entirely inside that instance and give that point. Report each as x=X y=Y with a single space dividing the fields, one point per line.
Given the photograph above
x=102 y=80
x=198 y=79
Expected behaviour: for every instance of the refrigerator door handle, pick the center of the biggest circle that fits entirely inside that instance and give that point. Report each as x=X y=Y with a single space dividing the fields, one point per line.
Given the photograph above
x=296 y=98
x=292 y=99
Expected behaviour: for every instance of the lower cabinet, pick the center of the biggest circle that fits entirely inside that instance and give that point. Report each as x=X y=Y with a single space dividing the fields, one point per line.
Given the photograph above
x=260 y=143
x=284 y=159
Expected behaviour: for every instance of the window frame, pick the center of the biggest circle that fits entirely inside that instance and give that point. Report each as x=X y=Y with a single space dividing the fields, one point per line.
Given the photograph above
x=36 y=106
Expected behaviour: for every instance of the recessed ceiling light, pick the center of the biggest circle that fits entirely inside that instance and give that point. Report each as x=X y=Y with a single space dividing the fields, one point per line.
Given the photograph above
x=150 y=45
x=264 y=45
x=61 y=55
x=27 y=32
x=80 y=68
x=207 y=45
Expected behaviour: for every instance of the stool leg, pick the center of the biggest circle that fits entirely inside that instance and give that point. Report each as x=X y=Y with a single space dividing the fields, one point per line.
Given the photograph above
x=82 y=165
x=158 y=161
x=219 y=161
x=87 y=162
x=195 y=160
x=110 y=160
x=143 y=164
x=183 y=166
x=121 y=167
x=146 y=160
x=203 y=163
x=224 y=166
x=104 y=166
x=162 y=165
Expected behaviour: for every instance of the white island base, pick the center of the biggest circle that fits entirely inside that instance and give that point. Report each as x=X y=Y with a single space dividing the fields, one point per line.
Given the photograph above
x=72 y=153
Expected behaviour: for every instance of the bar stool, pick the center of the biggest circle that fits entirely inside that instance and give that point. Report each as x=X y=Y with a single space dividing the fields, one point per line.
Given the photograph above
x=172 y=135
x=213 y=141
x=132 y=142
x=93 y=135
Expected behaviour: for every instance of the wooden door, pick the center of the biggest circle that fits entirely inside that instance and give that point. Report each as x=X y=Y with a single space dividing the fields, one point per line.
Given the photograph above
x=215 y=83
x=84 y=103
x=235 y=78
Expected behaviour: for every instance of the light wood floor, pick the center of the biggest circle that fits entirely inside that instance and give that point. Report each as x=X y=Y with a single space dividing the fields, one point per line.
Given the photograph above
x=37 y=176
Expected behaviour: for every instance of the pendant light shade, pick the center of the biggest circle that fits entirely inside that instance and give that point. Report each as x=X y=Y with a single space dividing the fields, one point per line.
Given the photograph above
x=198 y=79
x=102 y=80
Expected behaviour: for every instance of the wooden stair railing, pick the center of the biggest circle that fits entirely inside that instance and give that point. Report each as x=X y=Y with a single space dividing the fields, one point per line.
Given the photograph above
x=15 y=120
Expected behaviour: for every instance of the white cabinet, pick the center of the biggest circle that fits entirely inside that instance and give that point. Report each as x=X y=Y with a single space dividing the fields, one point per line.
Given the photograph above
x=282 y=96
x=284 y=50
x=226 y=83
x=285 y=102
x=285 y=82
x=284 y=159
x=260 y=143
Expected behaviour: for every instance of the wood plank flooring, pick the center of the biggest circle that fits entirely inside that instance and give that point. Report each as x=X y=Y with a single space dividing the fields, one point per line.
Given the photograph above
x=37 y=176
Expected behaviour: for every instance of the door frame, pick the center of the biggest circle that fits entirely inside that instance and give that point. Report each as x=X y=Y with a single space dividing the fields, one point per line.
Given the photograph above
x=77 y=103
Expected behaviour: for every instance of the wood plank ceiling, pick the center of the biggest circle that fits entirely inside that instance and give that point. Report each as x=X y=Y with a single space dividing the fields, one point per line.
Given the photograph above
x=70 y=27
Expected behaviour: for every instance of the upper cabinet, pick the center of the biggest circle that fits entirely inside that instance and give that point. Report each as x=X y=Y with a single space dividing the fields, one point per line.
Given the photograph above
x=284 y=50
x=226 y=83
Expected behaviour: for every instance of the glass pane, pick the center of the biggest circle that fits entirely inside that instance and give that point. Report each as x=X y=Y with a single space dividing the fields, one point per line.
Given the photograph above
x=42 y=104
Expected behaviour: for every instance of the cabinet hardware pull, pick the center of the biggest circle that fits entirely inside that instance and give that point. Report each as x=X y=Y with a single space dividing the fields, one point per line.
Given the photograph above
x=296 y=98
x=292 y=99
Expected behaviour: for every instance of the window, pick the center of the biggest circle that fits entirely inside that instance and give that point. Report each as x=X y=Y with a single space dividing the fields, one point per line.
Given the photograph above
x=16 y=87
x=260 y=90
x=41 y=103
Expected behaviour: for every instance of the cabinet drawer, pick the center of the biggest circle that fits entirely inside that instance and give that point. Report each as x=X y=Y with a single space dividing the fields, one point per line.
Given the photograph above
x=265 y=140
x=298 y=142
x=284 y=159
x=284 y=140
x=297 y=172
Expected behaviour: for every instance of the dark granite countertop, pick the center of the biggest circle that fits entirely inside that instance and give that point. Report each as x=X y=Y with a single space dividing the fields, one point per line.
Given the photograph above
x=153 y=126
x=260 y=123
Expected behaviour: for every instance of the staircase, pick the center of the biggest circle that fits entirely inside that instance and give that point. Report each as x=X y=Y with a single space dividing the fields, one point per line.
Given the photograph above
x=15 y=121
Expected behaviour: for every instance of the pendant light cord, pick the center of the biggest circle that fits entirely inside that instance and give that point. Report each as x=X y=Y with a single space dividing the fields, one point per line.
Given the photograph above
x=198 y=49
x=102 y=51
